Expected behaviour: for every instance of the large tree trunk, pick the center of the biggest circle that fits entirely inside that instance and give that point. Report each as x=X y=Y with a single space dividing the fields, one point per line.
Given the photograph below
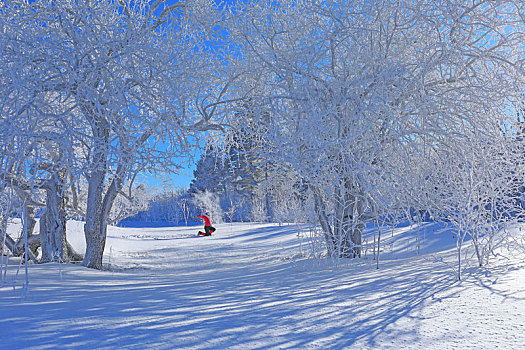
x=95 y=227
x=99 y=207
x=99 y=204
x=343 y=237
x=342 y=220
x=53 y=222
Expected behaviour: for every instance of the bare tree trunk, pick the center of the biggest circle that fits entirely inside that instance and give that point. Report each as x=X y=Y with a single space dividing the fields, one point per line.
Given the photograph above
x=320 y=210
x=95 y=228
x=344 y=221
x=53 y=221
x=97 y=213
x=344 y=239
x=475 y=241
x=351 y=225
x=339 y=222
x=98 y=228
x=357 y=208
x=356 y=238
x=29 y=217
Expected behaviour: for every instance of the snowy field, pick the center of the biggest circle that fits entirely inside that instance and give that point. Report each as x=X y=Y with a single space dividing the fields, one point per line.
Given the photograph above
x=249 y=287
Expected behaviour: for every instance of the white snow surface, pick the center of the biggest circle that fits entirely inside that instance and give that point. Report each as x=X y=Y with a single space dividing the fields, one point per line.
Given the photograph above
x=249 y=286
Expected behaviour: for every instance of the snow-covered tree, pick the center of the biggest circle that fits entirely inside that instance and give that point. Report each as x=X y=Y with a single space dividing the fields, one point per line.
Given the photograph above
x=185 y=207
x=356 y=90
x=127 y=80
x=281 y=194
x=35 y=125
x=475 y=187
x=136 y=199
x=209 y=173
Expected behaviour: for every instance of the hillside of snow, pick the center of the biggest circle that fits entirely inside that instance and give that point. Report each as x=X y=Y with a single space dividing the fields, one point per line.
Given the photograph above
x=255 y=286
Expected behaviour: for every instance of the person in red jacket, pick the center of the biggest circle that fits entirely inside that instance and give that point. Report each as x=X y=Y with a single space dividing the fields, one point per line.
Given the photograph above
x=208 y=229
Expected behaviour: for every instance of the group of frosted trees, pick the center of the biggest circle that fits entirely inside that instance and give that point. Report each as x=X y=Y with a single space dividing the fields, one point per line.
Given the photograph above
x=94 y=93
x=375 y=108
x=391 y=107
x=237 y=183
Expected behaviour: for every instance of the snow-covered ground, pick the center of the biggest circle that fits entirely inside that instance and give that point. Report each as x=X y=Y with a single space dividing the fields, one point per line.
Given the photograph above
x=249 y=287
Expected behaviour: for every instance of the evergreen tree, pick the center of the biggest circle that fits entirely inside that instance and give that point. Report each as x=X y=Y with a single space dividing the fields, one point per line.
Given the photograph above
x=249 y=187
x=209 y=173
x=247 y=167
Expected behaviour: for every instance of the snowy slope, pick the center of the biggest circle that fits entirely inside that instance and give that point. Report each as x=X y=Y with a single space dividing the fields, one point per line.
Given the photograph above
x=248 y=287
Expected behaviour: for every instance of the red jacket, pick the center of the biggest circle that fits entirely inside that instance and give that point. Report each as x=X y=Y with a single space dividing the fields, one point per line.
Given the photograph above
x=206 y=218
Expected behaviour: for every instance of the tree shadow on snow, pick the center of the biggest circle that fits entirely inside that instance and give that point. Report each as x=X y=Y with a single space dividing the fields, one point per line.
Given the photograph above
x=286 y=305
x=211 y=297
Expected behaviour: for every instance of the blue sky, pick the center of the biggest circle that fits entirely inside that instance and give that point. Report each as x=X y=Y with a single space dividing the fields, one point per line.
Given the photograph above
x=185 y=176
x=177 y=180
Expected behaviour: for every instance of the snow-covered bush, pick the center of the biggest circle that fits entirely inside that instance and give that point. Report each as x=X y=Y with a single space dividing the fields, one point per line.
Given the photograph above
x=475 y=187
